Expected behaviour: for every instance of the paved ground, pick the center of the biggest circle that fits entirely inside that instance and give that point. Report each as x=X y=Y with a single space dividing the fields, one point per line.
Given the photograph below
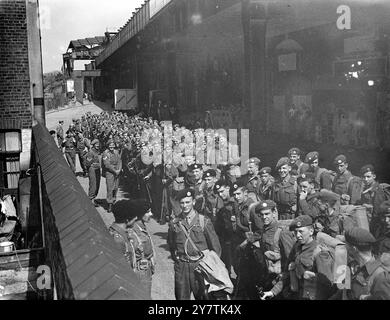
x=163 y=285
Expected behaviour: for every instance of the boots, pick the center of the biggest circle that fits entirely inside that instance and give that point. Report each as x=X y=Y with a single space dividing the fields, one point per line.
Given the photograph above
x=109 y=207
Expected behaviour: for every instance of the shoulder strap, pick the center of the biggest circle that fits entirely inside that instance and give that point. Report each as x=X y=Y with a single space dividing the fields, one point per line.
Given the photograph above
x=201 y=221
x=189 y=239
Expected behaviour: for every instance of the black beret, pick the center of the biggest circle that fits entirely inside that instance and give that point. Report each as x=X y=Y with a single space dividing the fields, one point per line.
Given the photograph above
x=52 y=131
x=209 y=173
x=128 y=209
x=359 y=237
x=295 y=151
x=194 y=166
x=265 y=205
x=307 y=176
x=221 y=183
x=301 y=221
x=265 y=170
x=238 y=184
x=312 y=156
x=340 y=159
x=367 y=168
x=188 y=192
x=282 y=161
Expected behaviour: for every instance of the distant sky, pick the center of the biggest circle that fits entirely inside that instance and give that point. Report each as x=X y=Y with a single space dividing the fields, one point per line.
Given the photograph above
x=65 y=20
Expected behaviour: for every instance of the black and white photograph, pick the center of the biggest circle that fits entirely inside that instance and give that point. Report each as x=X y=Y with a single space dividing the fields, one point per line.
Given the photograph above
x=211 y=151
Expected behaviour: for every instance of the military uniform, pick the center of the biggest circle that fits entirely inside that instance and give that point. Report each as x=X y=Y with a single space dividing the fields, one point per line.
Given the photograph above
x=284 y=193
x=112 y=162
x=60 y=134
x=243 y=218
x=370 y=281
x=226 y=227
x=346 y=183
x=143 y=253
x=92 y=163
x=252 y=185
x=212 y=203
x=70 y=152
x=306 y=257
x=309 y=206
x=186 y=257
x=81 y=144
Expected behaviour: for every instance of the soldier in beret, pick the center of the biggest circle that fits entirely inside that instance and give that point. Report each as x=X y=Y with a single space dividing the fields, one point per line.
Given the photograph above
x=330 y=221
x=344 y=182
x=383 y=244
x=373 y=194
x=284 y=191
x=302 y=278
x=370 y=278
x=267 y=181
x=226 y=223
x=323 y=177
x=308 y=196
x=60 y=133
x=131 y=235
x=264 y=246
x=70 y=150
x=212 y=202
x=252 y=179
x=113 y=166
x=186 y=258
x=243 y=202
x=92 y=163
x=297 y=166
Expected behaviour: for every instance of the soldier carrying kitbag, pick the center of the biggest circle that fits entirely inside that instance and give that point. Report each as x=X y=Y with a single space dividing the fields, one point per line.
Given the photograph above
x=211 y=267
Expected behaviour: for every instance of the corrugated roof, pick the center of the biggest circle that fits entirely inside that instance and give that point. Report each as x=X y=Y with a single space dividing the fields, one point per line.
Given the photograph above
x=82 y=43
x=95 y=267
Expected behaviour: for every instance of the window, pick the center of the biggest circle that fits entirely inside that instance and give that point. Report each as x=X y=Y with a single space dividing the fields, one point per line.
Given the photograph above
x=10 y=149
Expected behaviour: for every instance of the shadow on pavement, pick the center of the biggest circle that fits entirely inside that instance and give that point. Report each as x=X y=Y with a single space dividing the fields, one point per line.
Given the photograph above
x=105 y=106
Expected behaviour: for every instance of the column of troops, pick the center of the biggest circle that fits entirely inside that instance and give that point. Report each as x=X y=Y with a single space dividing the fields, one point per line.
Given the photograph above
x=304 y=232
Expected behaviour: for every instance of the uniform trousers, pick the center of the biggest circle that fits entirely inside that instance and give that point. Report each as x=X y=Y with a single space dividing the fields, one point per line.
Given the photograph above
x=94 y=182
x=112 y=183
x=71 y=159
x=186 y=281
x=145 y=276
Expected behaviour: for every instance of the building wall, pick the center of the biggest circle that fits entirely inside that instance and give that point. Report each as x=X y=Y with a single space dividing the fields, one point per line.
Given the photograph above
x=15 y=98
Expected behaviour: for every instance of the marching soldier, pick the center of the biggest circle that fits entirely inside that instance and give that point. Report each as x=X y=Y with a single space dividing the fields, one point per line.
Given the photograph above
x=252 y=179
x=284 y=191
x=60 y=133
x=92 y=163
x=301 y=278
x=267 y=181
x=82 y=146
x=185 y=256
x=374 y=195
x=226 y=224
x=370 y=277
x=113 y=166
x=323 y=177
x=345 y=182
x=196 y=182
x=70 y=150
x=297 y=166
x=130 y=233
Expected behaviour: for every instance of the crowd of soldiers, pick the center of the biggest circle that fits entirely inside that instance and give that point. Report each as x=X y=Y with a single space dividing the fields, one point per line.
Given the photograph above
x=280 y=233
